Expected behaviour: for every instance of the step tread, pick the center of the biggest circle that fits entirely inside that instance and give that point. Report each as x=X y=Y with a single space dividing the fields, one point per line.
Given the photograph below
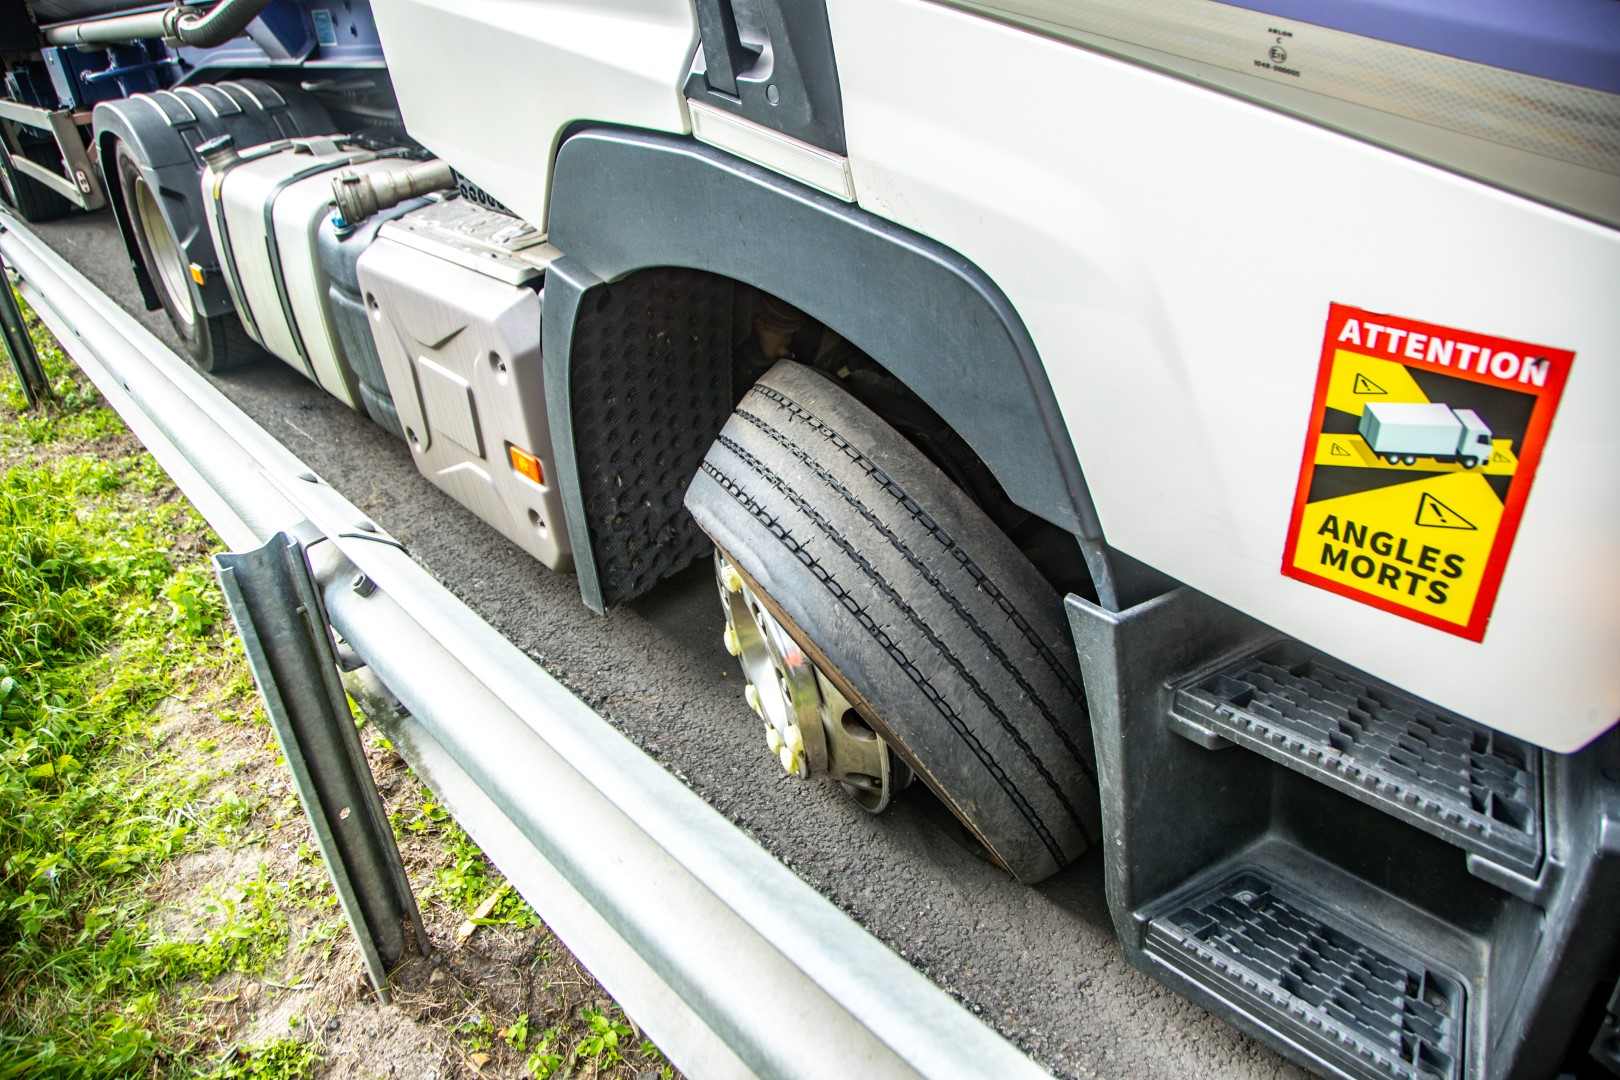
x=1474 y=787
x=1328 y=985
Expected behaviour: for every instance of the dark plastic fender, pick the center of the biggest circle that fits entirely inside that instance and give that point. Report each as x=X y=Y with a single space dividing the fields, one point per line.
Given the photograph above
x=627 y=200
x=164 y=129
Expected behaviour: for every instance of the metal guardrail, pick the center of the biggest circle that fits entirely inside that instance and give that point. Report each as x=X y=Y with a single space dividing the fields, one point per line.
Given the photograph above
x=730 y=962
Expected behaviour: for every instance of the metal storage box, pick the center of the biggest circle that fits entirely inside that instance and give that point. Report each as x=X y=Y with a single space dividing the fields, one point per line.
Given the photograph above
x=452 y=292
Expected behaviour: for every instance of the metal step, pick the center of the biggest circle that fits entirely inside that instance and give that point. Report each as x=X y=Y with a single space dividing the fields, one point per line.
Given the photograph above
x=1349 y=998
x=1473 y=787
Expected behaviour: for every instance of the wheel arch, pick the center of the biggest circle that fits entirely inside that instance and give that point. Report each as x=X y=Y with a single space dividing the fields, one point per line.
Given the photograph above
x=627 y=201
x=164 y=128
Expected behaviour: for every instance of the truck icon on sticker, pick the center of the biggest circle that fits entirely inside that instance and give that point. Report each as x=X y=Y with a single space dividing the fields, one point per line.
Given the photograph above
x=1402 y=432
x=1423 y=444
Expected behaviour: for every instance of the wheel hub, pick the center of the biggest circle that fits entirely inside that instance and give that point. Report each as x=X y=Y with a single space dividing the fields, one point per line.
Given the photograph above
x=810 y=726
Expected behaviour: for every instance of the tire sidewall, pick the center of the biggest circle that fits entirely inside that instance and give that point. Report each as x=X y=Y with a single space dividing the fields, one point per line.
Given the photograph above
x=195 y=336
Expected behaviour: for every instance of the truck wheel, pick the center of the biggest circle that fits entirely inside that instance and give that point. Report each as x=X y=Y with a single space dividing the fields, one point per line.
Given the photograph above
x=32 y=200
x=213 y=343
x=936 y=630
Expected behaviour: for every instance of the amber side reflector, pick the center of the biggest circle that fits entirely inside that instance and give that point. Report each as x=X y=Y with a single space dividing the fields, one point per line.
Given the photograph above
x=197 y=274
x=527 y=464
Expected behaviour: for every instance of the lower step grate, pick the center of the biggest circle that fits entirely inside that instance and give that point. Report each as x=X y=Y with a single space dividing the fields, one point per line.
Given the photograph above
x=1471 y=786
x=1324 y=986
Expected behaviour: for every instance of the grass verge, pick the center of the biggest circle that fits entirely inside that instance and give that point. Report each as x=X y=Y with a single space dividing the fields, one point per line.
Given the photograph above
x=163 y=911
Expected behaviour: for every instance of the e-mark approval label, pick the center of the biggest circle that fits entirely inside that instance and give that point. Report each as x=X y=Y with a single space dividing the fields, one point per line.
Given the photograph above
x=1422 y=447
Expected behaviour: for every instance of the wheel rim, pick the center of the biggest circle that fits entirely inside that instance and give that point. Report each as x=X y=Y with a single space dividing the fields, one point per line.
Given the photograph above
x=167 y=260
x=810 y=726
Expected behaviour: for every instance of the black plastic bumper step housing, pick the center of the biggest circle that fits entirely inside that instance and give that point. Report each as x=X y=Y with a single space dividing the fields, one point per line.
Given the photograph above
x=1355 y=887
x=1473 y=787
x=1350 y=997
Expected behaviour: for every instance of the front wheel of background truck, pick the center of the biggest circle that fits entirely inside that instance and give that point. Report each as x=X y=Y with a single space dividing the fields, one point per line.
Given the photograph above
x=913 y=604
x=213 y=343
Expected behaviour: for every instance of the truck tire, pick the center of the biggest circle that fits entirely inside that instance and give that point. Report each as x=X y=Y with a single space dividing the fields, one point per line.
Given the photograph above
x=910 y=600
x=213 y=344
x=32 y=200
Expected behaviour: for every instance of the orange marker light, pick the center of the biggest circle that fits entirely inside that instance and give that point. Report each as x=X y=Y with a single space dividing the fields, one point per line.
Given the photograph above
x=197 y=274
x=527 y=464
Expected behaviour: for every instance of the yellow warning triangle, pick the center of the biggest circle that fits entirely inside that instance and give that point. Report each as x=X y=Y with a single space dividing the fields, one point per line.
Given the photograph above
x=1335 y=450
x=1437 y=515
x=1364 y=385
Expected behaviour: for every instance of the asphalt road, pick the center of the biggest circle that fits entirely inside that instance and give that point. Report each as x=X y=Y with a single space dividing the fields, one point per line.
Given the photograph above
x=1039 y=964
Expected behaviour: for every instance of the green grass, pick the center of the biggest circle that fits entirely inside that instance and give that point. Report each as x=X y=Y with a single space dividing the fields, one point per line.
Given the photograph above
x=103 y=617
x=279 y=1059
x=467 y=879
x=109 y=616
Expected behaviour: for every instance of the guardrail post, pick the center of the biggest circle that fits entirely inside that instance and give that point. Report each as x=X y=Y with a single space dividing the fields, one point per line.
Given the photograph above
x=278 y=612
x=20 y=347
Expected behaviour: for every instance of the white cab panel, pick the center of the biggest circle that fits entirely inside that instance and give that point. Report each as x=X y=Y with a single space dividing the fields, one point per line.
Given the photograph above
x=1174 y=253
x=488 y=85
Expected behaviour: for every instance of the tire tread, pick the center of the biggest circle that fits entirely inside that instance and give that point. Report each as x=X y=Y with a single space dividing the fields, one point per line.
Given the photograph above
x=922 y=519
x=893 y=576
x=885 y=641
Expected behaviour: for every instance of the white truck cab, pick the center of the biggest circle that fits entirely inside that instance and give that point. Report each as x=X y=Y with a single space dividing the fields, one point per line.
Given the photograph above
x=1167 y=430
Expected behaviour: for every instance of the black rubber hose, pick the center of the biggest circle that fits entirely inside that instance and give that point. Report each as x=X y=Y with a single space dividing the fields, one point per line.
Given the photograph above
x=216 y=27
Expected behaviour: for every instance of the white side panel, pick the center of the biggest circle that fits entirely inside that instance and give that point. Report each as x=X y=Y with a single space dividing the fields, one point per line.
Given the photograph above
x=1174 y=252
x=243 y=195
x=488 y=85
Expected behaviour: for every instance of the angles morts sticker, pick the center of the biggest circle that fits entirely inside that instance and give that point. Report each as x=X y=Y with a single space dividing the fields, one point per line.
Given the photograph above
x=1422 y=446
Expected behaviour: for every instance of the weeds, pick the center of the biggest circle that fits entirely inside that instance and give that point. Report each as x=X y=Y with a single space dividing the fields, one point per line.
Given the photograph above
x=468 y=879
x=602 y=1049
x=281 y=1059
x=102 y=617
